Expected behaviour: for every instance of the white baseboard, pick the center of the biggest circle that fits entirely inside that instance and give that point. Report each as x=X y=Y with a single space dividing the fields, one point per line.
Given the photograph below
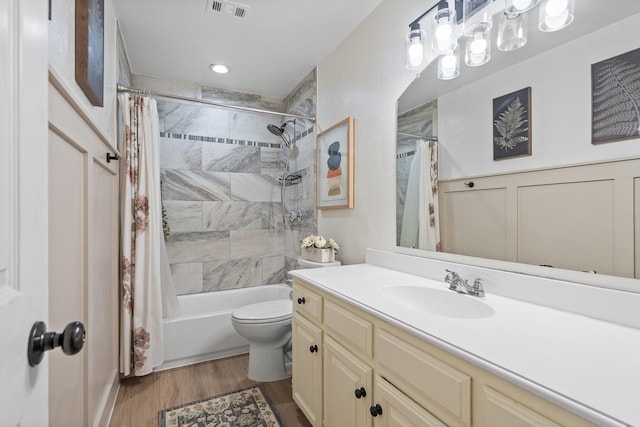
x=109 y=402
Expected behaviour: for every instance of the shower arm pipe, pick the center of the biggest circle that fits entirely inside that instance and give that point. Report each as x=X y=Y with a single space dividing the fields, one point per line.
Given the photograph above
x=122 y=88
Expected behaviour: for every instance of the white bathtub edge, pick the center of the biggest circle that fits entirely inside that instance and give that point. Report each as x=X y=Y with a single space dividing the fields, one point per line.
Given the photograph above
x=201 y=358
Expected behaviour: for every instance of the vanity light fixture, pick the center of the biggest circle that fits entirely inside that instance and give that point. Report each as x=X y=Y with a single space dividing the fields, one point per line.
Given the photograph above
x=439 y=40
x=518 y=6
x=414 y=48
x=476 y=17
x=449 y=65
x=478 y=48
x=512 y=31
x=556 y=14
x=219 y=68
x=444 y=23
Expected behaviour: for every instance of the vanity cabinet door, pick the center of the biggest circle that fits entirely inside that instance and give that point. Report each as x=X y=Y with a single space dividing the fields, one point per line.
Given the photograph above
x=397 y=410
x=307 y=368
x=439 y=387
x=347 y=387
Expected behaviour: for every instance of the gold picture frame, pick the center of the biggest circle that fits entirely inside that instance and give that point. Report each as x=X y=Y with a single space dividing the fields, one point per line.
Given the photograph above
x=89 y=49
x=334 y=166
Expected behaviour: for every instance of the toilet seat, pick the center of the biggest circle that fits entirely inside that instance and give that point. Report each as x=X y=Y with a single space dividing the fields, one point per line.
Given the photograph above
x=263 y=312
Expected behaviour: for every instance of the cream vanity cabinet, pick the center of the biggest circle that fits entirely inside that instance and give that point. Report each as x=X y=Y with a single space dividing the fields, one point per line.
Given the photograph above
x=354 y=369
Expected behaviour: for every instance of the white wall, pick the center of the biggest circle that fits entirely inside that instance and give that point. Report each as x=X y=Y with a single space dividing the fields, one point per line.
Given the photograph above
x=102 y=378
x=62 y=63
x=363 y=78
x=560 y=81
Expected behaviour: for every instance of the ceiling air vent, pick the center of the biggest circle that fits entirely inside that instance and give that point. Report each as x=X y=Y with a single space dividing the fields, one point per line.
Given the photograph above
x=228 y=8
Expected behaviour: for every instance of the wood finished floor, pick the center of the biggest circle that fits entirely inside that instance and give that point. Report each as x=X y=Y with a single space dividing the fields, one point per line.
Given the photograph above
x=140 y=399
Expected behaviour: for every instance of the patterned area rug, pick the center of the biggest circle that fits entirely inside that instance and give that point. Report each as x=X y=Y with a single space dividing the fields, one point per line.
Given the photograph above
x=242 y=408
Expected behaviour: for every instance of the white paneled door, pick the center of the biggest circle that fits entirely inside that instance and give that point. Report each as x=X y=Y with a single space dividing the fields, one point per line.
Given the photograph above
x=23 y=208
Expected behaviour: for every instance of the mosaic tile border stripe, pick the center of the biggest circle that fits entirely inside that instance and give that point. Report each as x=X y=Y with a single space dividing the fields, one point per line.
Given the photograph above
x=407 y=154
x=218 y=140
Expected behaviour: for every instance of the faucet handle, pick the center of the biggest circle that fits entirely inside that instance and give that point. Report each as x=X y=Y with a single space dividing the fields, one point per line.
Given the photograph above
x=451 y=279
x=477 y=287
x=451 y=273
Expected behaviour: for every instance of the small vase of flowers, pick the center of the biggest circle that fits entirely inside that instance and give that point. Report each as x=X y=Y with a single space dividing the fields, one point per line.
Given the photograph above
x=317 y=248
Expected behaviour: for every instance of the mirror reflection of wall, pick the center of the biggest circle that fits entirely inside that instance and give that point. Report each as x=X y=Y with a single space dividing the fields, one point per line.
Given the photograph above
x=417 y=217
x=571 y=204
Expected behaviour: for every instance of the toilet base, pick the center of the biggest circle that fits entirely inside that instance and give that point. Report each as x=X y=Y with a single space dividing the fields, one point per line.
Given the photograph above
x=267 y=364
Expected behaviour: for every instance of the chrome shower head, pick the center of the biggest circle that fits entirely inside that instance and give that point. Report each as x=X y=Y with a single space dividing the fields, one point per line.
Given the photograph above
x=275 y=129
x=279 y=131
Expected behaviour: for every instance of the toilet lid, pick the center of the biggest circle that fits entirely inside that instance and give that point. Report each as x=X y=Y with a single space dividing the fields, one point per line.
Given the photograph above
x=262 y=312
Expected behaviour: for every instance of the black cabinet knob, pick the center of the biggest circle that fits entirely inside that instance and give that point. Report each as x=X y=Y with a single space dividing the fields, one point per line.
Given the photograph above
x=301 y=300
x=313 y=349
x=376 y=410
x=70 y=340
x=361 y=392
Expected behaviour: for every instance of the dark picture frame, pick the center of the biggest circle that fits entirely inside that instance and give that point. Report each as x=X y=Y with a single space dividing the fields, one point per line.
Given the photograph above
x=512 y=125
x=334 y=166
x=89 y=50
x=615 y=97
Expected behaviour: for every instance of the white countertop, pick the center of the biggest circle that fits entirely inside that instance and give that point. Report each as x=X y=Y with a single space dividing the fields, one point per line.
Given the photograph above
x=588 y=366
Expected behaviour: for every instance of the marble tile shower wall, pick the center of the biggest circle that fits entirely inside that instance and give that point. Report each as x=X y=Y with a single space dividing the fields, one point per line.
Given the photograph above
x=221 y=172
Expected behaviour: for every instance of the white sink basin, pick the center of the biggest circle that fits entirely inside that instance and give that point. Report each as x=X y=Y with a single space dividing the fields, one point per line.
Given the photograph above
x=440 y=302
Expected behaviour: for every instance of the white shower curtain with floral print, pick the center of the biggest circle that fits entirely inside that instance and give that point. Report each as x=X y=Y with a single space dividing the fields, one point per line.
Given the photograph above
x=141 y=347
x=420 y=224
x=429 y=215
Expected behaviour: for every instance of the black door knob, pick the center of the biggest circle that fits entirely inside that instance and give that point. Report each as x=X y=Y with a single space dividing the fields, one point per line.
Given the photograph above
x=301 y=300
x=376 y=410
x=71 y=340
x=313 y=349
x=361 y=392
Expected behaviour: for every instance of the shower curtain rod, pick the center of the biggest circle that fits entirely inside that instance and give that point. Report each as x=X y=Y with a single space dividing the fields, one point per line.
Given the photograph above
x=122 y=88
x=426 y=138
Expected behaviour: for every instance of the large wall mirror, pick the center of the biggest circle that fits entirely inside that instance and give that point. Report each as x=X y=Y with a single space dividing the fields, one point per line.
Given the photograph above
x=569 y=202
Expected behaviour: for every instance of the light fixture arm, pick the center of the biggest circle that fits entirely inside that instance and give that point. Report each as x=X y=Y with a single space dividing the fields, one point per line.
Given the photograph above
x=416 y=22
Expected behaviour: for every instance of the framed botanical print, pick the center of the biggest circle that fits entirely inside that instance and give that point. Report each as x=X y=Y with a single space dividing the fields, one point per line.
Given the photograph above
x=512 y=125
x=615 y=98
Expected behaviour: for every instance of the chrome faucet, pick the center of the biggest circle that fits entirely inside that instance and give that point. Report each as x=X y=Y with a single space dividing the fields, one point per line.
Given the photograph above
x=458 y=284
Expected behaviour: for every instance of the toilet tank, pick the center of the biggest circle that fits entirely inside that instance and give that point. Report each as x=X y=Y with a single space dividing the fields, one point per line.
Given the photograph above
x=303 y=263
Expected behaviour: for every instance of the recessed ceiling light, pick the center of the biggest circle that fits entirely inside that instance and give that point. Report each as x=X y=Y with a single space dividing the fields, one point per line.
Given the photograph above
x=219 y=68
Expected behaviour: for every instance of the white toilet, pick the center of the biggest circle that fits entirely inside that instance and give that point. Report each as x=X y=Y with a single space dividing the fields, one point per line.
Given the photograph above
x=267 y=326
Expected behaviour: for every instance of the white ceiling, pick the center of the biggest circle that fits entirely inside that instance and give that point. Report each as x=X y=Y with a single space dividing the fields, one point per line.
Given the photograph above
x=269 y=52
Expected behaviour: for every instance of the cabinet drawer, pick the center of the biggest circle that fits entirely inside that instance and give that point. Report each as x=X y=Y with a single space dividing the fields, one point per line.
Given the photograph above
x=308 y=303
x=354 y=331
x=502 y=411
x=440 y=388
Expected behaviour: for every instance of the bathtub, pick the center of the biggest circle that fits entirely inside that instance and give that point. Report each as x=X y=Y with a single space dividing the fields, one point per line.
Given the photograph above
x=203 y=330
